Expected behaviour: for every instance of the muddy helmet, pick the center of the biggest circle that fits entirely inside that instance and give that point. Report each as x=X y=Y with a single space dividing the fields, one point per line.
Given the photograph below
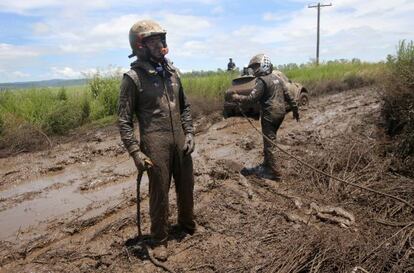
x=261 y=64
x=139 y=32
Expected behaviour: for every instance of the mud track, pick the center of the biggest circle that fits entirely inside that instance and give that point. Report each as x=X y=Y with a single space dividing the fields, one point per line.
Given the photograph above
x=72 y=208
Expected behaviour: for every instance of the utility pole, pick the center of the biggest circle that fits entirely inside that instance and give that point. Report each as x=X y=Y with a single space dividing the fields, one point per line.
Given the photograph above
x=319 y=19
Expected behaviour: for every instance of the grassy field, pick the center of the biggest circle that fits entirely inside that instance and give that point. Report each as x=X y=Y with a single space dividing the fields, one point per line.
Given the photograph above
x=58 y=110
x=336 y=76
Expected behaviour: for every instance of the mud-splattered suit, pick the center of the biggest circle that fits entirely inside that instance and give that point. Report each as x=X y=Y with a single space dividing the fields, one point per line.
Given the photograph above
x=273 y=96
x=157 y=98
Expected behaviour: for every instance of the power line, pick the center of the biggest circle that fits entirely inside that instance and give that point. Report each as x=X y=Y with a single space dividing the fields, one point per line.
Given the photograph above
x=319 y=19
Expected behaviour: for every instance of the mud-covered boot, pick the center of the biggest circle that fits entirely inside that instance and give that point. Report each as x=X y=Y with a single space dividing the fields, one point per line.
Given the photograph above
x=160 y=252
x=247 y=171
x=256 y=170
x=263 y=171
x=271 y=174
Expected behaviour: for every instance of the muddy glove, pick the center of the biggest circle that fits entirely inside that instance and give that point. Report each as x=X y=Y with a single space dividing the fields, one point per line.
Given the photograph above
x=236 y=97
x=142 y=162
x=188 y=144
x=296 y=115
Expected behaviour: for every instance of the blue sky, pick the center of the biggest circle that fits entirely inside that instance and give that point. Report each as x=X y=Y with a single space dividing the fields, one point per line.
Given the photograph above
x=45 y=39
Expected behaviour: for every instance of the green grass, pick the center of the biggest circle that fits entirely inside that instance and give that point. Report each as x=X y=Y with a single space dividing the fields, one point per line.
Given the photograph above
x=338 y=71
x=208 y=85
x=54 y=110
x=336 y=76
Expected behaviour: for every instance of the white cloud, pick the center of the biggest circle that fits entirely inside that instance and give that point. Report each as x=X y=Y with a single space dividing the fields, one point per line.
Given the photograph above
x=19 y=74
x=187 y=25
x=65 y=72
x=20 y=6
x=26 y=6
x=71 y=73
x=217 y=10
x=40 y=28
x=72 y=8
x=7 y=76
x=276 y=16
x=9 y=52
x=113 y=33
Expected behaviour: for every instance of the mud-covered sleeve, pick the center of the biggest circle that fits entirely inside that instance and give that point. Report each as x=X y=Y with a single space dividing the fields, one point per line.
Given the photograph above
x=255 y=95
x=126 y=106
x=288 y=98
x=185 y=112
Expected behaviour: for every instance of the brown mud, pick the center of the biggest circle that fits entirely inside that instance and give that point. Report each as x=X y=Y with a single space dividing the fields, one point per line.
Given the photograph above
x=72 y=208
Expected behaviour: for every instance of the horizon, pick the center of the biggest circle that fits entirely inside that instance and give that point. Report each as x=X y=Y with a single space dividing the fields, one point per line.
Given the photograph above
x=43 y=40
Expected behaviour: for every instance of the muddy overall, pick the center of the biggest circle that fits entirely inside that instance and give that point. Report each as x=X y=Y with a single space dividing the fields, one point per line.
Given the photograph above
x=163 y=112
x=272 y=94
x=269 y=129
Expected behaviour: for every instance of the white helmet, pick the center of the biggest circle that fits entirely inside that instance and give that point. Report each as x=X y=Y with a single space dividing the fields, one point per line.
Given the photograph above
x=261 y=65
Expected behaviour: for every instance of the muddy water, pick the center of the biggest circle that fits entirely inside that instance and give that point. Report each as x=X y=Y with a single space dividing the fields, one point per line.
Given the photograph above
x=59 y=196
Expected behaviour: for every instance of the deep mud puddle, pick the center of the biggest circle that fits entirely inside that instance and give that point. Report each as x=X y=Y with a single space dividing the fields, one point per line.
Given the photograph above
x=63 y=195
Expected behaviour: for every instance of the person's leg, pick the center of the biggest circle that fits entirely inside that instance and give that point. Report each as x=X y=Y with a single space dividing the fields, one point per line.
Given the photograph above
x=157 y=148
x=269 y=130
x=184 y=186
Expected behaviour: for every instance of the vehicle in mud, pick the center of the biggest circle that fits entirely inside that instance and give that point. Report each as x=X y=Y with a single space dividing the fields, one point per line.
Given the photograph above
x=244 y=84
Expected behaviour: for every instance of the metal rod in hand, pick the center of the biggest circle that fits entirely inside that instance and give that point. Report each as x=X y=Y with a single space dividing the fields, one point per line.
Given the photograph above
x=139 y=178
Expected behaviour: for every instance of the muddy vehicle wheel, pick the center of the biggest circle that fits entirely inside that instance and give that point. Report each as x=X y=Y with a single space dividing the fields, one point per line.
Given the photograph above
x=228 y=113
x=303 y=99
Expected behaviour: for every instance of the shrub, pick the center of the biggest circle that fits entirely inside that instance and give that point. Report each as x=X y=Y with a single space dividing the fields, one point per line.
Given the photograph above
x=62 y=94
x=85 y=108
x=19 y=135
x=1 y=122
x=398 y=104
x=402 y=65
x=63 y=117
x=105 y=89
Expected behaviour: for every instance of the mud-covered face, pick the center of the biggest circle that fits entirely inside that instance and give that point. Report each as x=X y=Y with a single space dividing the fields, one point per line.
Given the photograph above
x=255 y=68
x=156 y=46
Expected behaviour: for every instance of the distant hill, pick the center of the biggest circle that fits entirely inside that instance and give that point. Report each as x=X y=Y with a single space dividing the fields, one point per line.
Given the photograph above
x=47 y=83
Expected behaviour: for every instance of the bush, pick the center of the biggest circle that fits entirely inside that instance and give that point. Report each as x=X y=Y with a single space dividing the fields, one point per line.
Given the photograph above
x=85 y=109
x=1 y=122
x=63 y=117
x=62 y=94
x=19 y=135
x=105 y=89
x=398 y=104
x=402 y=65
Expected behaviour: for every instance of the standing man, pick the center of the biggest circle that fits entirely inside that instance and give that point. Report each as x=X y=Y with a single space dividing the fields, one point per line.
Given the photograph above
x=273 y=96
x=152 y=91
x=231 y=65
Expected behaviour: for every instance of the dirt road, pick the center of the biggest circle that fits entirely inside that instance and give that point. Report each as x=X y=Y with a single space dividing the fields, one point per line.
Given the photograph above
x=72 y=208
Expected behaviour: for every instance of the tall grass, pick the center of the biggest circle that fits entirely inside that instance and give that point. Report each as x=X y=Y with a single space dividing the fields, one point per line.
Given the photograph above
x=335 y=76
x=208 y=85
x=50 y=109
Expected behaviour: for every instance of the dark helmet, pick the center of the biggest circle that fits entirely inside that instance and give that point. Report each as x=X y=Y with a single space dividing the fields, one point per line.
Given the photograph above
x=142 y=30
x=261 y=65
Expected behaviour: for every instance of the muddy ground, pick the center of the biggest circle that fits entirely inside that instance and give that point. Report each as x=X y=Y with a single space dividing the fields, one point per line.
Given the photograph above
x=72 y=208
